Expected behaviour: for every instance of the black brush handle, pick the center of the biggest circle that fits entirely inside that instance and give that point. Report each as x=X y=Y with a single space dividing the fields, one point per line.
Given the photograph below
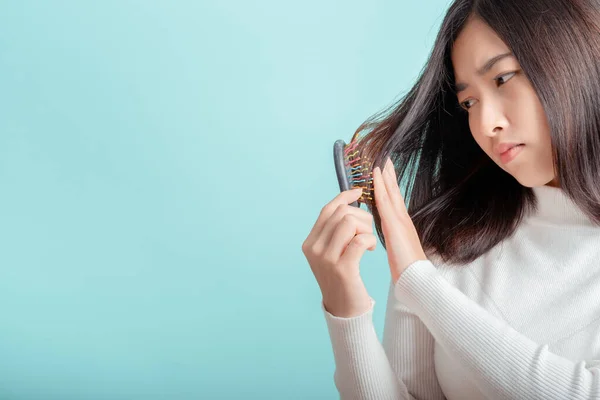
x=340 y=168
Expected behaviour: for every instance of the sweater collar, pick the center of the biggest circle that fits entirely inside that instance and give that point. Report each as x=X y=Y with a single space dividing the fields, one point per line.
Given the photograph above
x=554 y=206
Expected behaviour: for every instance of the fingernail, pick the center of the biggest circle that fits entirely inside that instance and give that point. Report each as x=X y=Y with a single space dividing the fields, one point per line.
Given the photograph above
x=388 y=165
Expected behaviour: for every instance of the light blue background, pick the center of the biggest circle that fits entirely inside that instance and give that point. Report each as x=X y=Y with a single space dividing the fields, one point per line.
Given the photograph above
x=161 y=164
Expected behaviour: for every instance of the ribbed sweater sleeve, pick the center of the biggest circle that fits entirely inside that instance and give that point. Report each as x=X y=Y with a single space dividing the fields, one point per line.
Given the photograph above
x=400 y=368
x=503 y=363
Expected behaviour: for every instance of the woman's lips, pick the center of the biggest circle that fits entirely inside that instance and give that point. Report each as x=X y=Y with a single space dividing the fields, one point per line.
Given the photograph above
x=510 y=155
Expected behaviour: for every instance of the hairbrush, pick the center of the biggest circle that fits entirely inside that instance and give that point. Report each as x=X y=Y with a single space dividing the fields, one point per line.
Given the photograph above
x=353 y=171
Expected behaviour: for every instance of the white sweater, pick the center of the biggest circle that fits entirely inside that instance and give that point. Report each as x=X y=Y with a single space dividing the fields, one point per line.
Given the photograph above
x=520 y=322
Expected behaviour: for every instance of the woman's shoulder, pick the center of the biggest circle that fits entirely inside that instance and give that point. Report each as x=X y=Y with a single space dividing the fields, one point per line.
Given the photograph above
x=449 y=268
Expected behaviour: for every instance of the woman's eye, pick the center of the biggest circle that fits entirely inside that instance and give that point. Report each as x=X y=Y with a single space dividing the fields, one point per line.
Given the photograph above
x=503 y=79
x=464 y=106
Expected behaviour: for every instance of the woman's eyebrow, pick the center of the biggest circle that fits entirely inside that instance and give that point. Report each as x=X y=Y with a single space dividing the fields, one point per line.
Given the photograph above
x=483 y=70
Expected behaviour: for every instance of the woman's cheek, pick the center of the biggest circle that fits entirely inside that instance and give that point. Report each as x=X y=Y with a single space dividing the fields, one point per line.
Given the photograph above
x=483 y=142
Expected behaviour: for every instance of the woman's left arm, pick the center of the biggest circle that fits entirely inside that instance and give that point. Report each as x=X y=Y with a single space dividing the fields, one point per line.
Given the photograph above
x=505 y=364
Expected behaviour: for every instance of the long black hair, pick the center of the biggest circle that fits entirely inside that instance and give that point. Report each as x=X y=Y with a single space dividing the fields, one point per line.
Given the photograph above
x=461 y=203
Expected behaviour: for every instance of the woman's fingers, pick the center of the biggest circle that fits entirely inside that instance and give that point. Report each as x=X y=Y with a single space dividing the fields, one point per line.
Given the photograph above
x=392 y=187
x=343 y=198
x=349 y=230
x=362 y=220
x=382 y=199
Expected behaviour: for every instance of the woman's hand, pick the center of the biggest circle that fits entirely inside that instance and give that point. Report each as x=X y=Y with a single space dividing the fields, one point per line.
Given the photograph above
x=403 y=245
x=334 y=248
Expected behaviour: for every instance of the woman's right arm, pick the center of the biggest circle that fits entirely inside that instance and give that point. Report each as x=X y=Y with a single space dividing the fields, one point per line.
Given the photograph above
x=401 y=368
x=333 y=249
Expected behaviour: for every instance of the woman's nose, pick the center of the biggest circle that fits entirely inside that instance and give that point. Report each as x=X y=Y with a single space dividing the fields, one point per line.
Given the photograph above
x=493 y=119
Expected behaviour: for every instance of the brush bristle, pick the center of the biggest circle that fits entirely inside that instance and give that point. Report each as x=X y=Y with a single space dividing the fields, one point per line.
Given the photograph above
x=359 y=172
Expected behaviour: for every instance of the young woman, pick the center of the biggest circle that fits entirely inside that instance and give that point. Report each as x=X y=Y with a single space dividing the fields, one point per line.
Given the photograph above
x=495 y=264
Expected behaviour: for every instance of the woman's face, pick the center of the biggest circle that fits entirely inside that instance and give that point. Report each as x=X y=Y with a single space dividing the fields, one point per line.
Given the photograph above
x=502 y=106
